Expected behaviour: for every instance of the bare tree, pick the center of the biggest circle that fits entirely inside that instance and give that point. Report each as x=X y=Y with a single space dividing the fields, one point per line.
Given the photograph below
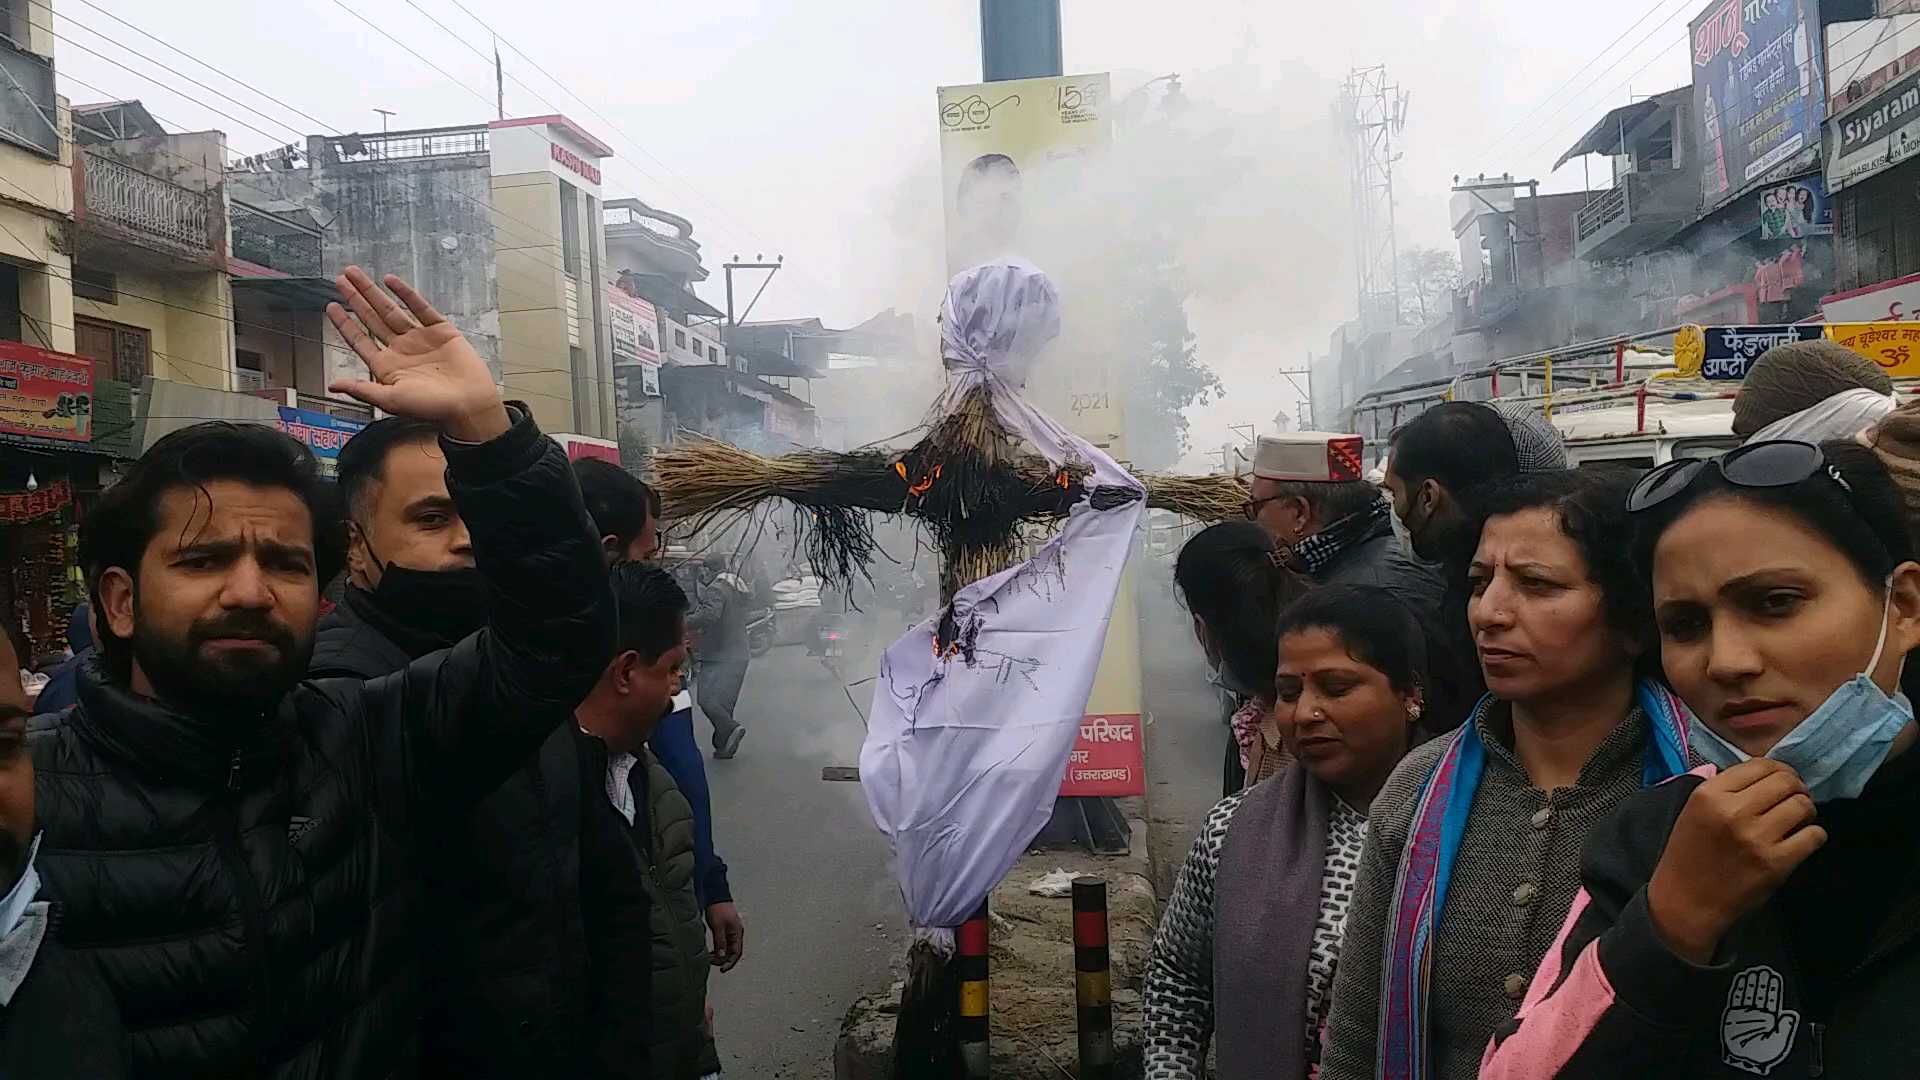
x=1428 y=277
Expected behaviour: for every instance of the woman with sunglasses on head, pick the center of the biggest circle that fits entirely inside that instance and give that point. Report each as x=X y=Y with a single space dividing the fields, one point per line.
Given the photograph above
x=1230 y=578
x=1473 y=855
x=1760 y=917
x=1246 y=950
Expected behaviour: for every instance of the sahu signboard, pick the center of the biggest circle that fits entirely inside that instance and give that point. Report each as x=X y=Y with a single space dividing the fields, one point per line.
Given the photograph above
x=45 y=395
x=1757 y=90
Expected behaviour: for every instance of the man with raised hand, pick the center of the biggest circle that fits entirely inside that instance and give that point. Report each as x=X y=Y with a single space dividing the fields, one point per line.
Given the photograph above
x=239 y=852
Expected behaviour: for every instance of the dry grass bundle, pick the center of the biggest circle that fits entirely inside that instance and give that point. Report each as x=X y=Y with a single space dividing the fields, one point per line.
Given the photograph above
x=1202 y=498
x=967 y=483
x=702 y=476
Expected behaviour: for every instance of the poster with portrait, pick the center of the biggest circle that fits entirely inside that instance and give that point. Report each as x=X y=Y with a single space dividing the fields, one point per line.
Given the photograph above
x=1795 y=209
x=997 y=141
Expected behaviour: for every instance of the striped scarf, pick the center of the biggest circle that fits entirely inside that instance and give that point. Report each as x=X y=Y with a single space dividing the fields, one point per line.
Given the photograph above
x=1439 y=822
x=1315 y=553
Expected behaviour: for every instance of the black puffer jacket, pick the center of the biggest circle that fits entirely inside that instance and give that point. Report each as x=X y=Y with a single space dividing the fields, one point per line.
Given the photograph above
x=251 y=886
x=506 y=951
x=60 y=1020
x=1378 y=559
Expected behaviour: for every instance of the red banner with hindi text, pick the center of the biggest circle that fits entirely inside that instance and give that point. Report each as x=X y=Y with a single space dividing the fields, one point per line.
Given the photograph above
x=45 y=394
x=1109 y=757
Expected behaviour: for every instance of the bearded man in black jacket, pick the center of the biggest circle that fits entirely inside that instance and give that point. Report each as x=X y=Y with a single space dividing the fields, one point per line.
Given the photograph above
x=509 y=951
x=240 y=853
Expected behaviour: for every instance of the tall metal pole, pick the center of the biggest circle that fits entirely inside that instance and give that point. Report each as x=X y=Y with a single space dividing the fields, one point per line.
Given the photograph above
x=499 y=84
x=1019 y=39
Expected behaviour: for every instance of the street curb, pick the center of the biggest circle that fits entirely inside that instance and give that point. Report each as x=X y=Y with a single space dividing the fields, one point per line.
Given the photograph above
x=1034 y=1026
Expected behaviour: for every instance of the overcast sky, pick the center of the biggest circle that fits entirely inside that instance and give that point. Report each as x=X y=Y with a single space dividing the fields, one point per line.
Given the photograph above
x=808 y=129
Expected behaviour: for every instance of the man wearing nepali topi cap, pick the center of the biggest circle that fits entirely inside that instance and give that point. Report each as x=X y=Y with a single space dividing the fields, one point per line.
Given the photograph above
x=1305 y=481
x=1310 y=493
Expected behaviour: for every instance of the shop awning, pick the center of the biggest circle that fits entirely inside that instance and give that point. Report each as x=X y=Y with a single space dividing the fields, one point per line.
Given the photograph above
x=291 y=293
x=668 y=293
x=1605 y=136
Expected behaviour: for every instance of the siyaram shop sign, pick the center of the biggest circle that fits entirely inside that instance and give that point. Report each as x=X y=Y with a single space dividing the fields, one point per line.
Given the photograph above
x=1875 y=135
x=1108 y=758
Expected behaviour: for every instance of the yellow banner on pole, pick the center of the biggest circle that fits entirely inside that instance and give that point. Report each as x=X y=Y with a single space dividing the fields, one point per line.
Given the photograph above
x=1895 y=346
x=997 y=141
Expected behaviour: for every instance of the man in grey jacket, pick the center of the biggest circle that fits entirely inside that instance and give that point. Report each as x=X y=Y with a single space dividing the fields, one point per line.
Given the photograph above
x=717 y=623
x=1308 y=492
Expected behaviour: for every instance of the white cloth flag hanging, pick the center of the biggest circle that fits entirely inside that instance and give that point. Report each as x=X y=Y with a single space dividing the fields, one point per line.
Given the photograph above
x=965 y=752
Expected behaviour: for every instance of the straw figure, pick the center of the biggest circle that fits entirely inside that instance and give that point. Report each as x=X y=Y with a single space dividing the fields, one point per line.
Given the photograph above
x=1033 y=525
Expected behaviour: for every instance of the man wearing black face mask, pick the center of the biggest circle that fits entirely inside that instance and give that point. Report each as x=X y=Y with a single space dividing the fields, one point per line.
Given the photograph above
x=411 y=584
x=510 y=944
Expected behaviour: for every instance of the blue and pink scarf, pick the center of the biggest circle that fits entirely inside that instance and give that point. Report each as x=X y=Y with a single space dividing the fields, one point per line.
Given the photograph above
x=1439 y=822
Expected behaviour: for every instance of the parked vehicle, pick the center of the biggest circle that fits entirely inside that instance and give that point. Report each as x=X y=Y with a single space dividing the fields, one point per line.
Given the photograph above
x=795 y=601
x=829 y=636
x=759 y=631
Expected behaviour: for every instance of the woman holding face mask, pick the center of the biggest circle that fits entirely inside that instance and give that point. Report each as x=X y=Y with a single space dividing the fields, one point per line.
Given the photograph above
x=1762 y=916
x=1246 y=950
x=1473 y=854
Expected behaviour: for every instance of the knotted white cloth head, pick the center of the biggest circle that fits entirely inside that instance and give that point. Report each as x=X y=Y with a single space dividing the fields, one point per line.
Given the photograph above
x=997 y=317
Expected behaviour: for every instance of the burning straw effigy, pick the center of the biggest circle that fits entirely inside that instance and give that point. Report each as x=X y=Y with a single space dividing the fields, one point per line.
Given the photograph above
x=986 y=498
x=965 y=482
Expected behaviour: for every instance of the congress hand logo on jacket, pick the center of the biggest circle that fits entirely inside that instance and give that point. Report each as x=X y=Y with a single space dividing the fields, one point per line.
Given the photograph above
x=1756 y=1034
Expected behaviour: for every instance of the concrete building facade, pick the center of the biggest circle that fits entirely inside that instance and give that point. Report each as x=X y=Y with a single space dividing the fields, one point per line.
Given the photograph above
x=150 y=290
x=36 y=184
x=497 y=223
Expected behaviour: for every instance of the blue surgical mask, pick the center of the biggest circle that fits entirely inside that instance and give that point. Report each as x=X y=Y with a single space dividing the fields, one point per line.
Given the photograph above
x=25 y=889
x=1841 y=744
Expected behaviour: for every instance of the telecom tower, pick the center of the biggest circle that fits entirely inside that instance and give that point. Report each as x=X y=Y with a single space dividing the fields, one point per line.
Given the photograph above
x=1371 y=111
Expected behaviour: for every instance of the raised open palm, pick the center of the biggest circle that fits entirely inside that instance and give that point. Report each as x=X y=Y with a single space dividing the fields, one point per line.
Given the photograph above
x=421 y=365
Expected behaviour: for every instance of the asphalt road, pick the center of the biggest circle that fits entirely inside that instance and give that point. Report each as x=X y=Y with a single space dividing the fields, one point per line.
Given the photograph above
x=809 y=871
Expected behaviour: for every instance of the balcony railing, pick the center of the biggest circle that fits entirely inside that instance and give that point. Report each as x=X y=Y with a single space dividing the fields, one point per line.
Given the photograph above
x=1610 y=207
x=404 y=145
x=270 y=241
x=147 y=209
x=26 y=99
x=1641 y=210
x=666 y=226
x=633 y=220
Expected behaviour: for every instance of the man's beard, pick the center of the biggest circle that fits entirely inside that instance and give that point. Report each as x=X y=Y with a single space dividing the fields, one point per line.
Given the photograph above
x=232 y=679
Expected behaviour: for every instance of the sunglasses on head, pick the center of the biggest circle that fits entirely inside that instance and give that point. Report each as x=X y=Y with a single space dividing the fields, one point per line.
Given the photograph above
x=1770 y=464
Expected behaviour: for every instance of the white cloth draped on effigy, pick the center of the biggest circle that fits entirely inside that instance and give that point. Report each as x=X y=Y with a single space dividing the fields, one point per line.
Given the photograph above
x=976 y=711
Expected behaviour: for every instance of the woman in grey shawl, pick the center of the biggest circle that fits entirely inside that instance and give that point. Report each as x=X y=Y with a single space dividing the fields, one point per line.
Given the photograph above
x=1245 y=952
